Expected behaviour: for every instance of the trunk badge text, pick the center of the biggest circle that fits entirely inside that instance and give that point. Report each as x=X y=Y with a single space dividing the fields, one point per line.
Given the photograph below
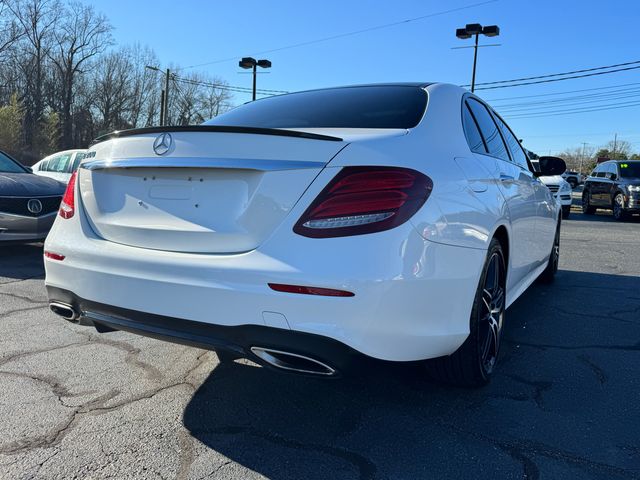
x=162 y=143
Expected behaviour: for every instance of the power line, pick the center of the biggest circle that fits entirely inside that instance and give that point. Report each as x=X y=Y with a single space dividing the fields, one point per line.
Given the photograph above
x=635 y=62
x=347 y=34
x=236 y=89
x=559 y=79
x=576 y=100
x=563 y=93
x=614 y=106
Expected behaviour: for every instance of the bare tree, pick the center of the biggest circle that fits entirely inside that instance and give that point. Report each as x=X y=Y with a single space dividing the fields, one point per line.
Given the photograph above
x=37 y=20
x=144 y=87
x=197 y=98
x=83 y=34
x=9 y=30
x=112 y=94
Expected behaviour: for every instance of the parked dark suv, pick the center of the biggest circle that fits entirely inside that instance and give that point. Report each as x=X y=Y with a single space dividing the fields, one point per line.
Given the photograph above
x=613 y=185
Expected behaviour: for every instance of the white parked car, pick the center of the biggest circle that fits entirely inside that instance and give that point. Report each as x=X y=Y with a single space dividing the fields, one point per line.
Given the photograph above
x=59 y=166
x=306 y=230
x=561 y=189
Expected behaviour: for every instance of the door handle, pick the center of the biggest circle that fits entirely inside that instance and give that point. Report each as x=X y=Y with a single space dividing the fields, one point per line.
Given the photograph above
x=506 y=178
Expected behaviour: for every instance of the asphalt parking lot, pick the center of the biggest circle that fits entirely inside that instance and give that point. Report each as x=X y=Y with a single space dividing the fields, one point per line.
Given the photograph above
x=564 y=403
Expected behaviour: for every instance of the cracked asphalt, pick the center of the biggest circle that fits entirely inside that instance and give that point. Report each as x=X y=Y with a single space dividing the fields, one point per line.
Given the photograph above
x=563 y=404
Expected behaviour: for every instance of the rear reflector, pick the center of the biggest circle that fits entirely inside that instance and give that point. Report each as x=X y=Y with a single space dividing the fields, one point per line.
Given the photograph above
x=365 y=200
x=53 y=256
x=68 y=205
x=327 y=292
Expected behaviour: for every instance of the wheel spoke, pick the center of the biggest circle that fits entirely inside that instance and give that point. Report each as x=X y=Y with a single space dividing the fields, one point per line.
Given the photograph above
x=498 y=299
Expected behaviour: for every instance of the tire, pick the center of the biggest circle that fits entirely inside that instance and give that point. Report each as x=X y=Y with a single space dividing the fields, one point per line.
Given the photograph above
x=587 y=208
x=549 y=273
x=619 y=212
x=566 y=211
x=474 y=362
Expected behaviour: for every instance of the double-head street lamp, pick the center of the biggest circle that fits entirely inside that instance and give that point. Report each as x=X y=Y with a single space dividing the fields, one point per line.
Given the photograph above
x=476 y=29
x=250 y=62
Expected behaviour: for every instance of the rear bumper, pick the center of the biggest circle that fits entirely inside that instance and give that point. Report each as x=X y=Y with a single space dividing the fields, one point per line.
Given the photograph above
x=412 y=299
x=236 y=340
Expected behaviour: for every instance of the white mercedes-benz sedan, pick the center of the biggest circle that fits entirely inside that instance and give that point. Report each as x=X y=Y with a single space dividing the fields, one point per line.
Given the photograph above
x=309 y=230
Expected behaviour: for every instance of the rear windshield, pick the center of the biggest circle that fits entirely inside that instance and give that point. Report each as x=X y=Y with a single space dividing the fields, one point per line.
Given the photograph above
x=349 y=107
x=630 y=169
x=9 y=166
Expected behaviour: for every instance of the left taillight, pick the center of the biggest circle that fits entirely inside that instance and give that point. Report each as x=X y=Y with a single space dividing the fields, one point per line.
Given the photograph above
x=68 y=205
x=363 y=200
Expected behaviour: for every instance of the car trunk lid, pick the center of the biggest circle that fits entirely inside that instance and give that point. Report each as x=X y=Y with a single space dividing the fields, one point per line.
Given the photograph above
x=213 y=190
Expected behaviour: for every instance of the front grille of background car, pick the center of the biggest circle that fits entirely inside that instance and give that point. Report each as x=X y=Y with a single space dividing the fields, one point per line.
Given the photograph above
x=18 y=205
x=553 y=188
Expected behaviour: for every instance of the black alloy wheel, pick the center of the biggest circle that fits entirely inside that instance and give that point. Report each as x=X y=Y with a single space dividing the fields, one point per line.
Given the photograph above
x=618 y=207
x=491 y=313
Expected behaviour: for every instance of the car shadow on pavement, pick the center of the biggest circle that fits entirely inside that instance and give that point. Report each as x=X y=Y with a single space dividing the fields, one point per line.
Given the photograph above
x=20 y=262
x=392 y=422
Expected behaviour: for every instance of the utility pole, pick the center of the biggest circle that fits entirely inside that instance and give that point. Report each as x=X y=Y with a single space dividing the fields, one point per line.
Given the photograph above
x=166 y=98
x=615 y=145
x=584 y=144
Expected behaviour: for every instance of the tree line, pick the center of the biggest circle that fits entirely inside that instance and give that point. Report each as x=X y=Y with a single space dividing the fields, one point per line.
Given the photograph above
x=584 y=158
x=64 y=82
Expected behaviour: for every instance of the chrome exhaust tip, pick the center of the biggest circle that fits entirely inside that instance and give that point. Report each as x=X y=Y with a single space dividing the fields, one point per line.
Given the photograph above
x=65 y=311
x=293 y=362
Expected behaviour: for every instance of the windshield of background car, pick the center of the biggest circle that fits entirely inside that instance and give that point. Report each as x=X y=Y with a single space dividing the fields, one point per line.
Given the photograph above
x=350 y=107
x=9 y=166
x=630 y=169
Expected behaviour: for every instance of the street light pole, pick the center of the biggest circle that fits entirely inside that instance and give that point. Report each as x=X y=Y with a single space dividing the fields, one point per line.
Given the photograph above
x=475 y=29
x=255 y=74
x=475 y=61
x=250 y=62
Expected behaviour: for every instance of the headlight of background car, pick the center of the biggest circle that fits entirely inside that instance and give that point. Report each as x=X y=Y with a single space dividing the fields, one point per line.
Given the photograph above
x=634 y=188
x=564 y=187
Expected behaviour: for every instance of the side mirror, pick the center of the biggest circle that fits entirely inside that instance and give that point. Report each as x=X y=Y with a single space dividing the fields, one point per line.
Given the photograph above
x=550 y=166
x=612 y=176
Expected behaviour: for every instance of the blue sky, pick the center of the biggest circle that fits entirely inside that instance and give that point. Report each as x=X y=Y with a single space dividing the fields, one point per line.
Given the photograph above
x=537 y=38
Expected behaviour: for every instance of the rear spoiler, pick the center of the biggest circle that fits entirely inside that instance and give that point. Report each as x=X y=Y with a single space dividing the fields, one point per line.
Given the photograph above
x=216 y=128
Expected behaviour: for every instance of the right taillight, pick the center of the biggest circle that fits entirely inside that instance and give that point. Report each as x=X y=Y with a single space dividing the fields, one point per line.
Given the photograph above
x=365 y=200
x=68 y=205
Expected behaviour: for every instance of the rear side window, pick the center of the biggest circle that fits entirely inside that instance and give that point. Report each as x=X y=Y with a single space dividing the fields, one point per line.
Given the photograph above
x=391 y=106
x=43 y=166
x=60 y=163
x=489 y=130
x=474 y=139
x=517 y=154
x=76 y=162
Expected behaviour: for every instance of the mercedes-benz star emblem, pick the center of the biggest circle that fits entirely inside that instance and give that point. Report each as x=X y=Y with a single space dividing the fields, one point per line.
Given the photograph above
x=34 y=206
x=162 y=144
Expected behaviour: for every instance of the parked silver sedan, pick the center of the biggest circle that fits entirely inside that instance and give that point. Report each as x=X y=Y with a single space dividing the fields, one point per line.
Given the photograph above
x=28 y=202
